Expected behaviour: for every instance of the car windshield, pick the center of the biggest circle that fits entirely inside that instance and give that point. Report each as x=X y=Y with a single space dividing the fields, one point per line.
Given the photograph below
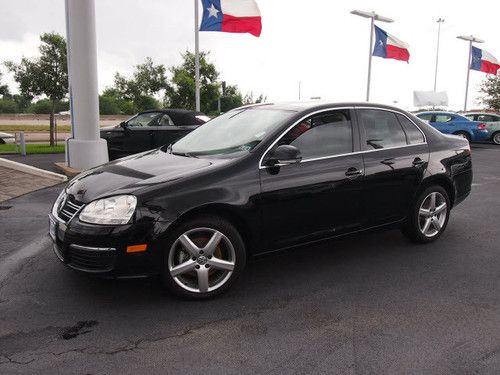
x=236 y=131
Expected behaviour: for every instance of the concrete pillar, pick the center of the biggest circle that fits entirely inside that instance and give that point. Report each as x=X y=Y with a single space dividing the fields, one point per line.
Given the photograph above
x=84 y=149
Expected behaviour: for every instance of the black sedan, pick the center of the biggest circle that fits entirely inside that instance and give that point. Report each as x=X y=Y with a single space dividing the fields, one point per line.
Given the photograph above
x=150 y=129
x=255 y=180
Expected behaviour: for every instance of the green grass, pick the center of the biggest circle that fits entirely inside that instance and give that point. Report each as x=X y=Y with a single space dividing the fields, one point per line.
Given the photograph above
x=34 y=148
x=33 y=128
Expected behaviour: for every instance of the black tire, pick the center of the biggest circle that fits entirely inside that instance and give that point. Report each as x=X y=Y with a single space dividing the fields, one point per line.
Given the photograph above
x=464 y=135
x=495 y=138
x=195 y=226
x=2 y=142
x=413 y=227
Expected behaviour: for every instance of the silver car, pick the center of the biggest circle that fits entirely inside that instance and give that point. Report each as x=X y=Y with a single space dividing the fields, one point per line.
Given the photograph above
x=492 y=122
x=6 y=138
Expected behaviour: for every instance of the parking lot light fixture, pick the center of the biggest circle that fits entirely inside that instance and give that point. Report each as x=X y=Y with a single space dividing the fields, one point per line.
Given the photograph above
x=471 y=39
x=373 y=17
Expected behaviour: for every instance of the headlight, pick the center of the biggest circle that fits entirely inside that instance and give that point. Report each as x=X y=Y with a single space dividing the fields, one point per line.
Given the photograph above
x=112 y=210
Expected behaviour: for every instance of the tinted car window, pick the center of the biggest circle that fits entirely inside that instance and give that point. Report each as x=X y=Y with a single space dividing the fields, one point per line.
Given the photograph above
x=382 y=129
x=443 y=118
x=322 y=135
x=486 y=118
x=144 y=119
x=413 y=135
x=425 y=116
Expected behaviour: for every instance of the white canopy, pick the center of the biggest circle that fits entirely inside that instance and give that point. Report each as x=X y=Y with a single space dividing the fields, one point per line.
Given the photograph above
x=430 y=98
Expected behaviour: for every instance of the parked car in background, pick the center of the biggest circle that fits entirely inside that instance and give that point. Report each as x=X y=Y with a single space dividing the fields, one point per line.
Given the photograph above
x=453 y=123
x=492 y=121
x=150 y=129
x=256 y=180
x=7 y=138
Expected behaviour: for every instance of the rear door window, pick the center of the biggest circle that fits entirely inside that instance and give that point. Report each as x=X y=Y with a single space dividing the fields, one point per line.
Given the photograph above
x=413 y=134
x=382 y=129
x=441 y=118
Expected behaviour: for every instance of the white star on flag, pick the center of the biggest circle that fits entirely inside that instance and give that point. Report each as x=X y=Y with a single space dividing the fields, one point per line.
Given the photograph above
x=214 y=12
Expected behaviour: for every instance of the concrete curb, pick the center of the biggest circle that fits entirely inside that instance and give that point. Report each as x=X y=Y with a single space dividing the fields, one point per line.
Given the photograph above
x=68 y=171
x=32 y=170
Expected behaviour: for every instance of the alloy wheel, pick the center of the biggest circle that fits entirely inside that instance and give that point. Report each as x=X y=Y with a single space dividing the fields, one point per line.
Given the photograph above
x=201 y=260
x=432 y=214
x=496 y=138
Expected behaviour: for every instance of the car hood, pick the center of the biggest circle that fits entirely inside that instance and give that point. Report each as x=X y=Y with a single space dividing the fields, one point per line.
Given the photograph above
x=130 y=174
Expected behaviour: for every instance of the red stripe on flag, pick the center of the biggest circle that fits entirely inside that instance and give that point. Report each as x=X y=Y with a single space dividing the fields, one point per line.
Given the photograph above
x=397 y=53
x=489 y=67
x=252 y=25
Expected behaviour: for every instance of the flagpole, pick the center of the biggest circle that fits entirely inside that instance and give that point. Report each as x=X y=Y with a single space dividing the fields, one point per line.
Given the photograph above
x=372 y=23
x=471 y=39
x=439 y=21
x=197 y=54
x=373 y=17
x=468 y=75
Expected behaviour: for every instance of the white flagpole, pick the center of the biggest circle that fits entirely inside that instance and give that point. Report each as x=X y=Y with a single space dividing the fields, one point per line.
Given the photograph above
x=471 y=39
x=197 y=54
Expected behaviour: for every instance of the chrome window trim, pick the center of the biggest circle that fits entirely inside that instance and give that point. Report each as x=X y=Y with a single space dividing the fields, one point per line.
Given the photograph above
x=349 y=153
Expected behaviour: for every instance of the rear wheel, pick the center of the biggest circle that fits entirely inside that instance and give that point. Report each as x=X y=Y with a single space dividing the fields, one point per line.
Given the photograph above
x=428 y=216
x=463 y=135
x=496 y=138
x=203 y=257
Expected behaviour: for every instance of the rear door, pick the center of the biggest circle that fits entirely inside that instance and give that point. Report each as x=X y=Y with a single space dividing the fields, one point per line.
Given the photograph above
x=320 y=196
x=395 y=158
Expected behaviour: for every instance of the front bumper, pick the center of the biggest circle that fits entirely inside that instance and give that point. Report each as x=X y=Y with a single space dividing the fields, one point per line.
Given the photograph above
x=102 y=249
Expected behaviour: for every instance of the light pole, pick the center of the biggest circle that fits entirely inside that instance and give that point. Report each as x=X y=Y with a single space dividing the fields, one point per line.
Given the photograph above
x=439 y=21
x=471 y=39
x=373 y=17
x=196 y=55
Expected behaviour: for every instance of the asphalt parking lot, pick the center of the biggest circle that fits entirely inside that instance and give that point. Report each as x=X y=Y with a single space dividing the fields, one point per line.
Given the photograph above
x=374 y=303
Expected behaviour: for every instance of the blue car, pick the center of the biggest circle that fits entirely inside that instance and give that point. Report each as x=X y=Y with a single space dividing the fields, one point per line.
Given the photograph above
x=453 y=123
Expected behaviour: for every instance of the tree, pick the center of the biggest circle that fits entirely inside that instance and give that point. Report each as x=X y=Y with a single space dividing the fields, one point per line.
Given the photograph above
x=181 y=89
x=46 y=75
x=490 y=88
x=147 y=81
x=4 y=89
x=249 y=98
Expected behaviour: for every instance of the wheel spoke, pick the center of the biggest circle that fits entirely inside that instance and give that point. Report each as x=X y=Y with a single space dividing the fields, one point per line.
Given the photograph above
x=440 y=208
x=436 y=224
x=212 y=243
x=221 y=264
x=432 y=203
x=202 y=279
x=183 y=268
x=426 y=225
x=190 y=247
x=424 y=212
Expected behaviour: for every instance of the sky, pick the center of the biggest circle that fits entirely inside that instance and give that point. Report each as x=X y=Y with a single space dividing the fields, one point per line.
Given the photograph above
x=316 y=42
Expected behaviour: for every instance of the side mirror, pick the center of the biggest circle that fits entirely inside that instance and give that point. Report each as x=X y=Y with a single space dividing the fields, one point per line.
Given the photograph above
x=284 y=155
x=123 y=124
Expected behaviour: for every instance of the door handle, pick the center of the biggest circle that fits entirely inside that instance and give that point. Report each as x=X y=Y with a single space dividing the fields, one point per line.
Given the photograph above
x=389 y=161
x=417 y=161
x=353 y=172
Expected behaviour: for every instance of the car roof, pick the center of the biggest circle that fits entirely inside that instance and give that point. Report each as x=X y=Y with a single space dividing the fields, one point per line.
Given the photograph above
x=311 y=106
x=179 y=116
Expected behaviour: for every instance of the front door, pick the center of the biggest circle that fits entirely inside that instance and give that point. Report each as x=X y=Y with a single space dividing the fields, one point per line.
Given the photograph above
x=320 y=196
x=138 y=133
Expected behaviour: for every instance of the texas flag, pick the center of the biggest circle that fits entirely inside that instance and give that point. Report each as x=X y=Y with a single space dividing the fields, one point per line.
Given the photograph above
x=484 y=61
x=231 y=16
x=390 y=47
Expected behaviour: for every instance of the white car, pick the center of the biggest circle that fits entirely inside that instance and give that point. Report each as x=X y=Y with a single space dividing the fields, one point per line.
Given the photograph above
x=6 y=138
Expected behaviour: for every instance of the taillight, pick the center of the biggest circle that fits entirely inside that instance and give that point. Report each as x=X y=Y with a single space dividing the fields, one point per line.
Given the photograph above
x=481 y=126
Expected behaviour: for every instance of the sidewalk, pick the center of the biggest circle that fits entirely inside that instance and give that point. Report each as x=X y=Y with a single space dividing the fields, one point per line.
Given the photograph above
x=15 y=183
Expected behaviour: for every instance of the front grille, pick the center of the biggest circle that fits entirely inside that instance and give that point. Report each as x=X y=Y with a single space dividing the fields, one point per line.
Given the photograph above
x=91 y=259
x=68 y=209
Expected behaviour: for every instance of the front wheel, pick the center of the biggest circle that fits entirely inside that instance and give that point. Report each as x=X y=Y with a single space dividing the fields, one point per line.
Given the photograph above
x=203 y=257
x=428 y=216
x=496 y=138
